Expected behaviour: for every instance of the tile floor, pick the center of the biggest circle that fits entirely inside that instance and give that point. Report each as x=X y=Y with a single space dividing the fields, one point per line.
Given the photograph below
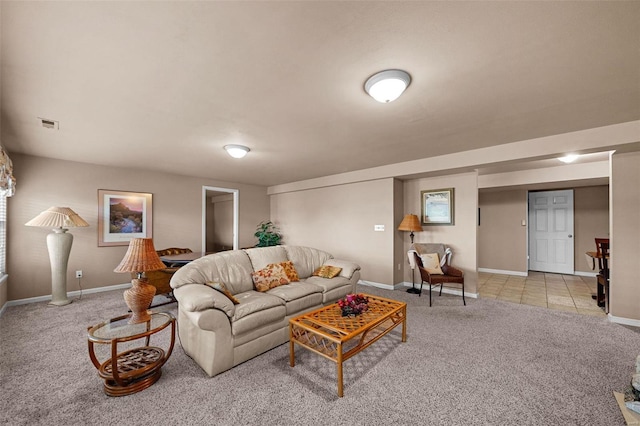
x=570 y=293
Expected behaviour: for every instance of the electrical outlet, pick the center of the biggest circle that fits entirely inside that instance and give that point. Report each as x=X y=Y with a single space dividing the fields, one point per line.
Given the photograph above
x=79 y=273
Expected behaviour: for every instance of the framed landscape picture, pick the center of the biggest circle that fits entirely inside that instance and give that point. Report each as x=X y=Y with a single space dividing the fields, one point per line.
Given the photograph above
x=122 y=216
x=437 y=206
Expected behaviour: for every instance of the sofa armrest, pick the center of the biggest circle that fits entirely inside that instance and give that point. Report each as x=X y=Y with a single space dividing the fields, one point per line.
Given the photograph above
x=199 y=297
x=348 y=268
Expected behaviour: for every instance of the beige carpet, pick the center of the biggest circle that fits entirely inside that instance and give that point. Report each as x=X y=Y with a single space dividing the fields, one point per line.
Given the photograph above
x=489 y=363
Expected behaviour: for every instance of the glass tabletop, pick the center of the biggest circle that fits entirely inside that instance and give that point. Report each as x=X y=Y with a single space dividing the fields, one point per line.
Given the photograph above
x=119 y=328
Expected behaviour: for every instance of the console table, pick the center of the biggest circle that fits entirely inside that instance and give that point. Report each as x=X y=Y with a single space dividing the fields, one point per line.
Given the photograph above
x=182 y=258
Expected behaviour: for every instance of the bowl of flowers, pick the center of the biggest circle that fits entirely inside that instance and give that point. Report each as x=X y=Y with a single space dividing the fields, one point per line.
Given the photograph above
x=353 y=304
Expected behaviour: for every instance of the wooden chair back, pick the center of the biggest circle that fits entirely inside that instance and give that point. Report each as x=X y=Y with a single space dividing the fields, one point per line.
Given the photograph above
x=602 y=250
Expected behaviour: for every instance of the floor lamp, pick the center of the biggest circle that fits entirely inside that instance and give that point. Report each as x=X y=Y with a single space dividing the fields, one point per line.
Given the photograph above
x=411 y=223
x=59 y=245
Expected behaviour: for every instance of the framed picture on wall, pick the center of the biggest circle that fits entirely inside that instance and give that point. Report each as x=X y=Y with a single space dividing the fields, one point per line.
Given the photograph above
x=123 y=216
x=437 y=206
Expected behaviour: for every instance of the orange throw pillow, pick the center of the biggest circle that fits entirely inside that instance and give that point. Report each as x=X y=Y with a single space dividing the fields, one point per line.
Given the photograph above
x=270 y=277
x=326 y=271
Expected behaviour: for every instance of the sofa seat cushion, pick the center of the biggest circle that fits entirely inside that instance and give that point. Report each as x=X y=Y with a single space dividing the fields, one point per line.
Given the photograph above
x=298 y=296
x=328 y=284
x=256 y=309
x=293 y=291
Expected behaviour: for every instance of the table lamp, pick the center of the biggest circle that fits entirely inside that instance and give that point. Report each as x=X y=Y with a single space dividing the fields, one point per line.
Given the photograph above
x=410 y=223
x=140 y=257
x=59 y=245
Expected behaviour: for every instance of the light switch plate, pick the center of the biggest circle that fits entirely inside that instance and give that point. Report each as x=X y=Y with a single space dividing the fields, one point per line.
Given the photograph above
x=378 y=227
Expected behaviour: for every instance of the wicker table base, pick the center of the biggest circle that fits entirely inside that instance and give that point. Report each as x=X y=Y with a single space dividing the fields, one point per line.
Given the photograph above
x=135 y=369
x=326 y=332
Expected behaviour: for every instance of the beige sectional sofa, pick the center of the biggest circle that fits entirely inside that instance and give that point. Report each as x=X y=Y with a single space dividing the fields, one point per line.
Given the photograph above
x=219 y=334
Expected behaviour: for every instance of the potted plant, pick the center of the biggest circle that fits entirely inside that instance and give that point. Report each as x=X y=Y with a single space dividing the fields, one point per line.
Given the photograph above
x=267 y=234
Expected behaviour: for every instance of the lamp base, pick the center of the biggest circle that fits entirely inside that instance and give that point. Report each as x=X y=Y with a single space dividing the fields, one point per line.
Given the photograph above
x=60 y=302
x=138 y=299
x=413 y=290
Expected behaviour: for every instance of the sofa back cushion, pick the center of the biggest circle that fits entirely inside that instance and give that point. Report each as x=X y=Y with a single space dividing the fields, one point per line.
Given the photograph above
x=306 y=259
x=262 y=256
x=233 y=268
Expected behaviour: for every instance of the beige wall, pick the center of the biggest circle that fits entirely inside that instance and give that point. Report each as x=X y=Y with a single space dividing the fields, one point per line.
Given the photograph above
x=177 y=218
x=340 y=220
x=220 y=222
x=625 y=235
x=502 y=240
x=462 y=236
x=591 y=220
x=399 y=252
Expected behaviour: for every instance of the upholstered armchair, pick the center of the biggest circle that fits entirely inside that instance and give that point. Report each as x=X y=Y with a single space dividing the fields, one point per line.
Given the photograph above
x=438 y=272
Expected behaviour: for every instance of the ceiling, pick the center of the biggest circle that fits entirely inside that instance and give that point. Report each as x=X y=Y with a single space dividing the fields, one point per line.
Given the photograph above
x=165 y=85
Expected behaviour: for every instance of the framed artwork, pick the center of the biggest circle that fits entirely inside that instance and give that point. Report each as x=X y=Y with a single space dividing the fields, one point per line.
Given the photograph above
x=437 y=206
x=123 y=216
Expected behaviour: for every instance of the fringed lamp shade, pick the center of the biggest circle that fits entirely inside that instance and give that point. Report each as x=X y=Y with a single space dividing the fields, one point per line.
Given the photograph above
x=58 y=217
x=140 y=257
x=410 y=223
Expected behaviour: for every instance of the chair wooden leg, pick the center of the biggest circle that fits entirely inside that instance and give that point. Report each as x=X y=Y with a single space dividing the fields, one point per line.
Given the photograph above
x=430 y=287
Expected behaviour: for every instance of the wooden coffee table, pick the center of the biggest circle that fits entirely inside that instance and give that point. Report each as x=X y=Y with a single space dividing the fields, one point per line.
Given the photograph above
x=326 y=332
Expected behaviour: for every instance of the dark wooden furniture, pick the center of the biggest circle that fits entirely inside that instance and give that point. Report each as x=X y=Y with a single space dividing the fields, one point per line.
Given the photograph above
x=602 y=254
x=326 y=332
x=181 y=259
x=134 y=369
x=451 y=276
x=160 y=279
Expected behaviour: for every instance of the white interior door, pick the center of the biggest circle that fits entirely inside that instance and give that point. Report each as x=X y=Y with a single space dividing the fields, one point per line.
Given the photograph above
x=551 y=231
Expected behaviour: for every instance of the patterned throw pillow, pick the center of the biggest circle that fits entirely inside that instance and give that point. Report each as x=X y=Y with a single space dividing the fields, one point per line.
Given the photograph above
x=270 y=277
x=223 y=289
x=326 y=271
x=289 y=269
x=431 y=262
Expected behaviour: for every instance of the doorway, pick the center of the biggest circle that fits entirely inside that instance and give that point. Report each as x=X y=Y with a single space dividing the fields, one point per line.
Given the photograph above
x=219 y=219
x=551 y=247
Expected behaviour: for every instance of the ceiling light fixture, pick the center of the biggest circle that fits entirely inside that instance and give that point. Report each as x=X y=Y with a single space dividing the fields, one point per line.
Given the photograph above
x=237 y=151
x=568 y=158
x=387 y=86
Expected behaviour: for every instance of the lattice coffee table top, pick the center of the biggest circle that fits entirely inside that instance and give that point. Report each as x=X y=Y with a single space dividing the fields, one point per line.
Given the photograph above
x=330 y=320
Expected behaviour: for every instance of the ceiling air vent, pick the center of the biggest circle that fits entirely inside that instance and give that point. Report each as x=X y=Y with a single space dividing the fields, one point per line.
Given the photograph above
x=49 y=124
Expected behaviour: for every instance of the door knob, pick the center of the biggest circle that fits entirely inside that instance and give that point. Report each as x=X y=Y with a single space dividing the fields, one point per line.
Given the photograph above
x=570 y=235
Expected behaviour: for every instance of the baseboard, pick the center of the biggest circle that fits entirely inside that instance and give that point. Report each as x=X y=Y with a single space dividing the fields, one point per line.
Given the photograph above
x=379 y=285
x=446 y=290
x=504 y=272
x=70 y=295
x=624 y=321
x=586 y=274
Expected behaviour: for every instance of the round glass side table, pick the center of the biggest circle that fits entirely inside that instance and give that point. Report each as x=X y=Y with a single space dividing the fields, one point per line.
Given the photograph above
x=137 y=368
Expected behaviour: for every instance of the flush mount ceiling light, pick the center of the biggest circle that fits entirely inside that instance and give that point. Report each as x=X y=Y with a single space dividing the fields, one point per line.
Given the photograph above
x=237 y=151
x=388 y=85
x=568 y=158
